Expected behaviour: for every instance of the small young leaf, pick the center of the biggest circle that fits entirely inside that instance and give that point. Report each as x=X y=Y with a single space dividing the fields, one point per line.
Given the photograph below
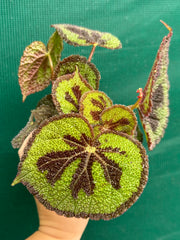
x=80 y=36
x=44 y=110
x=37 y=63
x=153 y=109
x=55 y=47
x=87 y=69
x=92 y=104
x=117 y=118
x=67 y=91
x=46 y=100
x=18 y=140
x=75 y=175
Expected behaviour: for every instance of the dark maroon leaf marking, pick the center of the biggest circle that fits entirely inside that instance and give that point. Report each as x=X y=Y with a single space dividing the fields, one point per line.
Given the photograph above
x=81 y=32
x=96 y=115
x=70 y=99
x=56 y=163
x=101 y=103
x=73 y=142
x=112 y=171
x=112 y=125
x=77 y=92
x=92 y=37
x=158 y=97
x=83 y=176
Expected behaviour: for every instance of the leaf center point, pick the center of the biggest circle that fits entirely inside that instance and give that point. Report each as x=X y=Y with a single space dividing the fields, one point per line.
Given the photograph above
x=90 y=149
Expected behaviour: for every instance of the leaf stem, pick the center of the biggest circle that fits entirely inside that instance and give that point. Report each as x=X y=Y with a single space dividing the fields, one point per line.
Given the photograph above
x=136 y=105
x=50 y=63
x=56 y=71
x=92 y=52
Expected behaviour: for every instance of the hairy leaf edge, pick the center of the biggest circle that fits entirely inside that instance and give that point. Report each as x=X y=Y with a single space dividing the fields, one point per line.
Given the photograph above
x=123 y=208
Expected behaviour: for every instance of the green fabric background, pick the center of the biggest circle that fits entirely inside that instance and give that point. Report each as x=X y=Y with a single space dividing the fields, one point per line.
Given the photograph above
x=156 y=215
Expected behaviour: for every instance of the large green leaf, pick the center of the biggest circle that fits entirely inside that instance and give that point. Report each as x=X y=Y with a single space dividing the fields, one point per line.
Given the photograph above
x=154 y=107
x=37 y=64
x=75 y=175
x=87 y=69
x=92 y=104
x=80 y=36
x=67 y=91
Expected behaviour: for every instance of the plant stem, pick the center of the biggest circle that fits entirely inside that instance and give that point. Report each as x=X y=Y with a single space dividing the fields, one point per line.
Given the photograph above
x=92 y=52
x=56 y=71
x=51 y=64
x=136 y=105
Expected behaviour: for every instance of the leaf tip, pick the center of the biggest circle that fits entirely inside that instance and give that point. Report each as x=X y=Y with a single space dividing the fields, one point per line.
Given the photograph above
x=15 y=181
x=24 y=97
x=167 y=26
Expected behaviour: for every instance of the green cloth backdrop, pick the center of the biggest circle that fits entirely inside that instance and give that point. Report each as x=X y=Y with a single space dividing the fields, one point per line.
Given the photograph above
x=156 y=215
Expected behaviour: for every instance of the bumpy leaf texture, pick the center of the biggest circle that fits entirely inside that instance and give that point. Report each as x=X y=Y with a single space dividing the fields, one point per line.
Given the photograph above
x=67 y=91
x=36 y=65
x=87 y=69
x=80 y=36
x=74 y=174
x=92 y=104
x=154 y=107
x=117 y=118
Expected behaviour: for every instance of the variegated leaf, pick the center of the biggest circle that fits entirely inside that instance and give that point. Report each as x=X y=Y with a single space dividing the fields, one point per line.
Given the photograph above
x=92 y=104
x=74 y=175
x=154 y=107
x=87 y=69
x=67 y=91
x=37 y=63
x=117 y=118
x=80 y=36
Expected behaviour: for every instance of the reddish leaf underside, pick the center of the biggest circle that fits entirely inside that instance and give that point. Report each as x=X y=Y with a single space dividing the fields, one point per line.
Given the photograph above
x=37 y=65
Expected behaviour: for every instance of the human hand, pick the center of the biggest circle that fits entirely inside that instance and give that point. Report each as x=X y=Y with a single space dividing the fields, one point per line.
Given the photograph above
x=53 y=226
